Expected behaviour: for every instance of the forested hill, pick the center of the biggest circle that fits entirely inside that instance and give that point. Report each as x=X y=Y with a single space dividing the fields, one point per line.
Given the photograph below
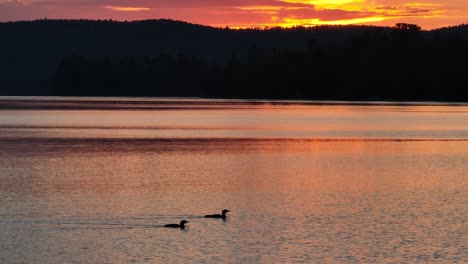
x=31 y=51
x=173 y=58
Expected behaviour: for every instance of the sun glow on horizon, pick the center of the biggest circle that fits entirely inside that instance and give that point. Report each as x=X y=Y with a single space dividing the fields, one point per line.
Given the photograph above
x=288 y=23
x=314 y=21
x=249 y=13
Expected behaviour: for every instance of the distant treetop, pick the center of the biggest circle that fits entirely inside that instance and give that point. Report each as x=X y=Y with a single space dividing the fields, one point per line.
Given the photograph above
x=409 y=27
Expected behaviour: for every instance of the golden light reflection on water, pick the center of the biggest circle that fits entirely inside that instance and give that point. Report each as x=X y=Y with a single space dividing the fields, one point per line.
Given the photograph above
x=222 y=120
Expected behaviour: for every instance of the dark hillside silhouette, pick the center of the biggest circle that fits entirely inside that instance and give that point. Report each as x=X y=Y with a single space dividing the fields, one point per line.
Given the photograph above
x=172 y=58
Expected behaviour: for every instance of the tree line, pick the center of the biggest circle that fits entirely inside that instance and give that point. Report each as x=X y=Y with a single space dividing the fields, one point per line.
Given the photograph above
x=401 y=63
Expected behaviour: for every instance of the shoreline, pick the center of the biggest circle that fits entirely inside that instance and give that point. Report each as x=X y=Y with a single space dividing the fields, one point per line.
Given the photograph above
x=33 y=102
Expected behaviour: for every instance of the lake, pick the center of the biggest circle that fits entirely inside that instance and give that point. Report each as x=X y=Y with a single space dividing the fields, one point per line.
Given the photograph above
x=93 y=180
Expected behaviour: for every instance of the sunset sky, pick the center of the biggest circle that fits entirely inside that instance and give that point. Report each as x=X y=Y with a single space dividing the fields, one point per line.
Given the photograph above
x=247 y=13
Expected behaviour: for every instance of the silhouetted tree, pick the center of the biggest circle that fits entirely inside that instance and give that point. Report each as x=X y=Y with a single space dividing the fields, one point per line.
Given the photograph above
x=407 y=27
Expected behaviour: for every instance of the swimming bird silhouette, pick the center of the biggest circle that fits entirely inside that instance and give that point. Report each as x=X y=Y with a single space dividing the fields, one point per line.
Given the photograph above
x=222 y=215
x=181 y=225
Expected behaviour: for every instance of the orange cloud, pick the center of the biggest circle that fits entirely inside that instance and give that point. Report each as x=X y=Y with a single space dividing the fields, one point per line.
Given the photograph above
x=127 y=8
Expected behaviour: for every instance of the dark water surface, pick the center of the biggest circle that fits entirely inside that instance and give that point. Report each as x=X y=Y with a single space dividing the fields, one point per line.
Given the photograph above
x=93 y=180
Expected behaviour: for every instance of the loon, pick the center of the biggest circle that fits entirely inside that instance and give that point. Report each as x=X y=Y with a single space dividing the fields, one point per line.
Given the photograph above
x=222 y=215
x=181 y=225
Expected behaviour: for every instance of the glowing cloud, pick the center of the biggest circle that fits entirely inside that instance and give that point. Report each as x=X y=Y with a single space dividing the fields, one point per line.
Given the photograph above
x=127 y=8
x=358 y=11
x=288 y=13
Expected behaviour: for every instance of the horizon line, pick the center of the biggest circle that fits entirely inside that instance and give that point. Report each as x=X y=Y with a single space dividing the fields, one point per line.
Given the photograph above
x=258 y=27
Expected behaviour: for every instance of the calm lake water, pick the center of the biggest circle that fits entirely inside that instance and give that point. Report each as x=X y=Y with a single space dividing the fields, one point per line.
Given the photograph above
x=93 y=181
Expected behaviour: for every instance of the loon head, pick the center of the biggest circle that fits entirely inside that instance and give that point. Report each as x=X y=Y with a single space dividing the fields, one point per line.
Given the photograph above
x=183 y=222
x=225 y=211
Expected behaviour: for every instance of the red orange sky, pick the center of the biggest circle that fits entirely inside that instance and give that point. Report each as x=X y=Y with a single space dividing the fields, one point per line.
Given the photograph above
x=247 y=13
